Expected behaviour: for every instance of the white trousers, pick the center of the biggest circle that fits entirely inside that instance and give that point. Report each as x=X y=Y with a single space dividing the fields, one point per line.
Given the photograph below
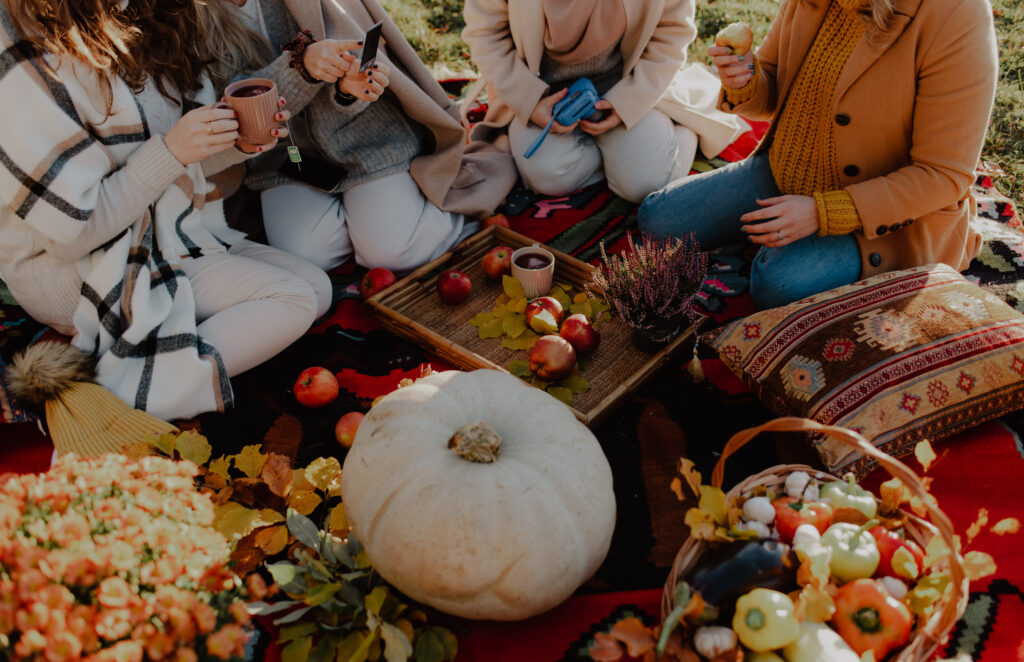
x=384 y=223
x=636 y=162
x=254 y=301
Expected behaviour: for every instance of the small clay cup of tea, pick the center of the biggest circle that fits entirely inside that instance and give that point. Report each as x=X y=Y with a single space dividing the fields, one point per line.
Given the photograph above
x=255 y=101
x=534 y=268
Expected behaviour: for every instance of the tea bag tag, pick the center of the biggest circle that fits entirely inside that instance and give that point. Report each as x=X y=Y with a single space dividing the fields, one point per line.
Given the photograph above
x=293 y=154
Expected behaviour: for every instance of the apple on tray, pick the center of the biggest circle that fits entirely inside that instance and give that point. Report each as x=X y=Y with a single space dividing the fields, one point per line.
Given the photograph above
x=544 y=314
x=346 y=427
x=737 y=36
x=580 y=333
x=497 y=262
x=552 y=358
x=374 y=281
x=454 y=287
x=316 y=387
x=497 y=219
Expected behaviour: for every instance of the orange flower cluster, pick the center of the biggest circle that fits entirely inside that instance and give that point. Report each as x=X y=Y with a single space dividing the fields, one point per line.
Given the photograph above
x=112 y=559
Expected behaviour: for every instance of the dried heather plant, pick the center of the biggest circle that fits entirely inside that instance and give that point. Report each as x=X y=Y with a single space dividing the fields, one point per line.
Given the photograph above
x=654 y=280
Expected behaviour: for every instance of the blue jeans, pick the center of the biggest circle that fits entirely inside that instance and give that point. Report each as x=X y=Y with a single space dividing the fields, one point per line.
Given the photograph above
x=710 y=204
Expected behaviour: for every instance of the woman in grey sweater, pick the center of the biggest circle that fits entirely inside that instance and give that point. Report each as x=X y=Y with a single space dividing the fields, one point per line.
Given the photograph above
x=406 y=184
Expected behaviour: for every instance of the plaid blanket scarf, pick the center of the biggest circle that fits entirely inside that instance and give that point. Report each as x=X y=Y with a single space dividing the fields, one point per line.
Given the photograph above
x=136 y=313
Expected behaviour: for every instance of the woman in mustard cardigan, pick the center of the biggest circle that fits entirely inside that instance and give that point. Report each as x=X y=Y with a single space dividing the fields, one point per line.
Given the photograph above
x=879 y=110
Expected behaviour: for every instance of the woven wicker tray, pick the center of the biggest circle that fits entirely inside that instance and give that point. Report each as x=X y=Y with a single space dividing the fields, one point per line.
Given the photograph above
x=412 y=309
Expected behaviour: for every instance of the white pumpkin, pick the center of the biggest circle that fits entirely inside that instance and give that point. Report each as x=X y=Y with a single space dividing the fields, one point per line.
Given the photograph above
x=505 y=535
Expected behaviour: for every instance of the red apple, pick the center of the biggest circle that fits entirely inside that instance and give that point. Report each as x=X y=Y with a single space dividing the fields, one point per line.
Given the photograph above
x=374 y=281
x=496 y=219
x=737 y=36
x=540 y=322
x=345 y=428
x=580 y=333
x=497 y=262
x=316 y=387
x=454 y=287
x=552 y=358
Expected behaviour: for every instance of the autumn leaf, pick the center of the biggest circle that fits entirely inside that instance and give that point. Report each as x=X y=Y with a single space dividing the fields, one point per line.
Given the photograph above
x=893 y=494
x=233 y=520
x=702 y=524
x=561 y=296
x=481 y=318
x=514 y=325
x=814 y=604
x=677 y=488
x=561 y=393
x=576 y=383
x=690 y=475
x=580 y=297
x=323 y=471
x=638 y=638
x=520 y=368
x=137 y=450
x=712 y=501
x=250 y=461
x=1004 y=526
x=164 y=442
x=337 y=522
x=300 y=482
x=513 y=288
x=525 y=341
x=193 y=446
x=979 y=523
x=927 y=593
x=214 y=481
x=222 y=467
x=272 y=539
x=582 y=309
x=492 y=329
x=277 y=473
x=304 y=501
x=925 y=454
x=605 y=648
x=978 y=565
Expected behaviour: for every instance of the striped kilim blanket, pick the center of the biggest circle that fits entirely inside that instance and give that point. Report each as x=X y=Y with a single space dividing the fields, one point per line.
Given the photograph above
x=137 y=311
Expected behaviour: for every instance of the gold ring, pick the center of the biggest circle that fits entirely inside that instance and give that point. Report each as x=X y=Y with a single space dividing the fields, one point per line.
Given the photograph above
x=209 y=127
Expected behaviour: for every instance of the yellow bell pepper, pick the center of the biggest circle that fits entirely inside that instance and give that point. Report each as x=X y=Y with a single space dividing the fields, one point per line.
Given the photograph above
x=764 y=620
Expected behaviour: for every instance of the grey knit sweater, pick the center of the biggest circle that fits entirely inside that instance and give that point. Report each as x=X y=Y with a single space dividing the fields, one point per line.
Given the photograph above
x=368 y=141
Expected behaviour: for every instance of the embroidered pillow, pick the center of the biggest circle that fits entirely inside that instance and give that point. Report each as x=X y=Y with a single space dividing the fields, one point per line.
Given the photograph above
x=899 y=357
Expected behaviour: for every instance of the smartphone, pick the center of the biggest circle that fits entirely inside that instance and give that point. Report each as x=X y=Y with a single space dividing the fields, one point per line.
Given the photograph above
x=315 y=172
x=370 y=44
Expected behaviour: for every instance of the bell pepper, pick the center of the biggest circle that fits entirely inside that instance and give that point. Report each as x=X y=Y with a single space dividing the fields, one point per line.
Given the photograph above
x=854 y=552
x=848 y=494
x=899 y=557
x=764 y=620
x=819 y=643
x=869 y=619
x=791 y=512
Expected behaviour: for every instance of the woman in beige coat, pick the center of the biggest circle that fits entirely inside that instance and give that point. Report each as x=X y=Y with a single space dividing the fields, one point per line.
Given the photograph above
x=656 y=109
x=879 y=110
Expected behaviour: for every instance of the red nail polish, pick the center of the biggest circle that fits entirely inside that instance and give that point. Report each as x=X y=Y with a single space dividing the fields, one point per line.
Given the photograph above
x=259 y=149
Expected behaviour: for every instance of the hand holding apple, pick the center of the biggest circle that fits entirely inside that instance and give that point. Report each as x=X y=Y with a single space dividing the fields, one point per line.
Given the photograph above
x=580 y=333
x=497 y=262
x=374 y=281
x=454 y=287
x=552 y=358
x=737 y=36
x=346 y=427
x=316 y=387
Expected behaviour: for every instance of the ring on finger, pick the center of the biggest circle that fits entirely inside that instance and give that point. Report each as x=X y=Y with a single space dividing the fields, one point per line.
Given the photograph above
x=209 y=127
x=780 y=235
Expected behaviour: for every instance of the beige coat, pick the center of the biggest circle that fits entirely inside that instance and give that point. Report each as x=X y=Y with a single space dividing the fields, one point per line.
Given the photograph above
x=911 y=107
x=507 y=43
x=457 y=176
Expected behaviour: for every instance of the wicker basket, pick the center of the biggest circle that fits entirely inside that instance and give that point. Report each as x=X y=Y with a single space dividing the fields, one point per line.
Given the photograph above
x=927 y=637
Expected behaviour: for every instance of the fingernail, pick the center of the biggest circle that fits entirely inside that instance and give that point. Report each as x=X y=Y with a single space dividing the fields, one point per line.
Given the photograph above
x=369 y=75
x=236 y=114
x=366 y=91
x=259 y=149
x=740 y=58
x=278 y=116
x=274 y=132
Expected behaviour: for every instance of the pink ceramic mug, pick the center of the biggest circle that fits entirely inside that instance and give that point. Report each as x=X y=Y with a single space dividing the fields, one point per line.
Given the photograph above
x=255 y=101
x=534 y=268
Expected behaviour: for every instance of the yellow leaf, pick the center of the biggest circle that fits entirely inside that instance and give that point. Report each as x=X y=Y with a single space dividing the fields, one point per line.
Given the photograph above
x=250 y=461
x=924 y=453
x=677 y=488
x=814 y=604
x=690 y=475
x=492 y=329
x=322 y=471
x=481 y=318
x=221 y=466
x=904 y=564
x=375 y=600
x=298 y=650
x=513 y=288
x=525 y=341
x=979 y=523
x=702 y=524
x=712 y=501
x=559 y=295
x=978 y=565
x=137 y=450
x=233 y=520
x=561 y=393
x=894 y=494
x=937 y=550
x=513 y=325
x=337 y=522
x=927 y=592
x=517 y=305
x=193 y=446
x=304 y=501
x=164 y=443
x=300 y=482
x=583 y=308
x=272 y=539
x=580 y=297
x=1004 y=526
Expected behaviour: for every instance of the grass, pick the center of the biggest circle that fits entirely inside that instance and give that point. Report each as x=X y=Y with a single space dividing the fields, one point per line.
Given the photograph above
x=433 y=27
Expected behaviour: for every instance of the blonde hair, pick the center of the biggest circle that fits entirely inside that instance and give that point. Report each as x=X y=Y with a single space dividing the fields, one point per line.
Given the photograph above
x=878 y=14
x=231 y=46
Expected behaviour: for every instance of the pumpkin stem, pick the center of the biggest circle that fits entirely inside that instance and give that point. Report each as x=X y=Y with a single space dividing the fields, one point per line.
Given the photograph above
x=476 y=442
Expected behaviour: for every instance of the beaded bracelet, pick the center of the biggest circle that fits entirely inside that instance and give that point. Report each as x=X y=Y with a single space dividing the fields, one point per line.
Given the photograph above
x=297 y=47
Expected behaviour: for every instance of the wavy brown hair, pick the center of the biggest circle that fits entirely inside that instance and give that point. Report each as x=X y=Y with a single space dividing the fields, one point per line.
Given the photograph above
x=148 y=39
x=232 y=46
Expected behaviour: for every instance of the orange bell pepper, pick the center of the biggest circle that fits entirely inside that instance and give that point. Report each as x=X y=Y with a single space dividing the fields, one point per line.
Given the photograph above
x=869 y=619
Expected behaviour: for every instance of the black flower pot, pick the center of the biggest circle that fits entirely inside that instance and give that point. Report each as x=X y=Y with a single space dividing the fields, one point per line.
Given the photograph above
x=656 y=336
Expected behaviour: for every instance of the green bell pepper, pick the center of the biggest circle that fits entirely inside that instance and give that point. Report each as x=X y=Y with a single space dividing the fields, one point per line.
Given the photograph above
x=854 y=551
x=848 y=494
x=765 y=620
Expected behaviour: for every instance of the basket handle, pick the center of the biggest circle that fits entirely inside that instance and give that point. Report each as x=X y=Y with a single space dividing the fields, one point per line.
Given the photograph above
x=948 y=616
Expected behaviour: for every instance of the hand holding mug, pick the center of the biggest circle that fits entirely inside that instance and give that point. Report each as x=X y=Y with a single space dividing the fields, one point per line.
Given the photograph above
x=280 y=131
x=201 y=133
